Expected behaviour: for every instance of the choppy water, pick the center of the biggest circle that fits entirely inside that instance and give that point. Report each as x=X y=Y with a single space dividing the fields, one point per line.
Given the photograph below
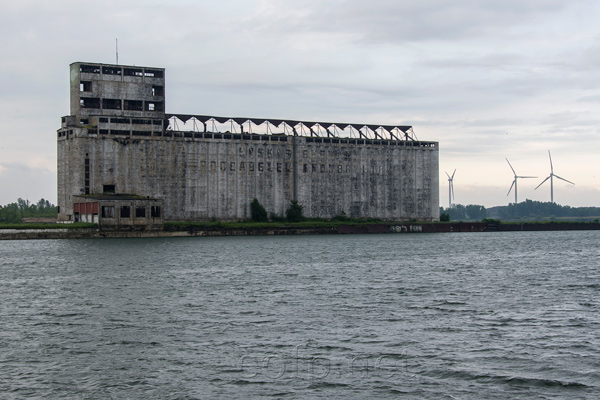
x=422 y=316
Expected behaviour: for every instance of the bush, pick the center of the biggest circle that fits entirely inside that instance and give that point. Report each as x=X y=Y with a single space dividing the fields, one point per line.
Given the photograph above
x=258 y=212
x=341 y=217
x=294 y=212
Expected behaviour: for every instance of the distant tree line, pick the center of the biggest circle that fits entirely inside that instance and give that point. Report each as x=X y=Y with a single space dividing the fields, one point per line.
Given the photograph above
x=526 y=210
x=458 y=212
x=530 y=209
x=15 y=212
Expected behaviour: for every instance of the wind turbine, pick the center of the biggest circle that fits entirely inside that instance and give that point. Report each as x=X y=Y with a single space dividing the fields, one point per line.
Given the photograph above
x=551 y=176
x=514 y=183
x=450 y=188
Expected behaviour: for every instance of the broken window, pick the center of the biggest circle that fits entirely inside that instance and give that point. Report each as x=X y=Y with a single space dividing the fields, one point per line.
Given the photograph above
x=88 y=102
x=125 y=212
x=120 y=120
x=85 y=86
x=155 y=211
x=158 y=91
x=133 y=72
x=108 y=211
x=140 y=212
x=134 y=105
x=154 y=73
x=94 y=69
x=111 y=104
x=155 y=106
x=107 y=189
x=141 y=121
x=111 y=71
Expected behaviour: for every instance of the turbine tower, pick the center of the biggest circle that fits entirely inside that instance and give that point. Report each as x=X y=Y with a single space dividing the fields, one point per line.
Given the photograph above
x=551 y=176
x=450 y=188
x=514 y=183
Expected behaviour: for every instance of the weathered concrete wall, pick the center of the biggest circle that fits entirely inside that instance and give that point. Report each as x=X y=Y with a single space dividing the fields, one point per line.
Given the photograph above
x=204 y=178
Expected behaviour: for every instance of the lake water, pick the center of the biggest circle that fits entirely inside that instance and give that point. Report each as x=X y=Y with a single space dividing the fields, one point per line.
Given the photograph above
x=416 y=316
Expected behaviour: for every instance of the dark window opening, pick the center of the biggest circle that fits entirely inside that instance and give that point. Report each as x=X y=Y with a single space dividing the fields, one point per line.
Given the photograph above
x=84 y=121
x=153 y=73
x=111 y=104
x=85 y=86
x=119 y=132
x=108 y=211
x=87 y=102
x=134 y=105
x=140 y=212
x=155 y=106
x=111 y=71
x=141 y=133
x=103 y=119
x=108 y=189
x=125 y=212
x=93 y=69
x=158 y=91
x=119 y=120
x=141 y=121
x=155 y=211
x=133 y=72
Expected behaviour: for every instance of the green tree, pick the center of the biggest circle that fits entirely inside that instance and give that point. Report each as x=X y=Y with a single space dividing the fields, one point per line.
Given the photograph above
x=294 y=212
x=257 y=211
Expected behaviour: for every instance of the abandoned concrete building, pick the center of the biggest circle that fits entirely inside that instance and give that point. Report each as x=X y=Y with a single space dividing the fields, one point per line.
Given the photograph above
x=125 y=163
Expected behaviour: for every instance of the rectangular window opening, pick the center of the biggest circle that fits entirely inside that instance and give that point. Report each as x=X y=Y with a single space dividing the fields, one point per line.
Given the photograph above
x=154 y=73
x=111 y=104
x=154 y=106
x=134 y=105
x=111 y=71
x=158 y=91
x=85 y=86
x=108 y=211
x=93 y=69
x=140 y=212
x=125 y=212
x=155 y=211
x=133 y=72
x=108 y=189
x=88 y=102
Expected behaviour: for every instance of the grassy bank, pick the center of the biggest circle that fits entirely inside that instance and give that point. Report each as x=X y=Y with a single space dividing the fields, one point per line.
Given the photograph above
x=76 y=225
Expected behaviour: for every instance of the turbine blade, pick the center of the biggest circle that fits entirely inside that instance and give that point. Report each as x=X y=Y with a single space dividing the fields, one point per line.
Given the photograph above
x=448 y=176
x=526 y=176
x=513 y=170
x=563 y=179
x=511 y=186
x=453 y=173
x=542 y=182
x=551 y=167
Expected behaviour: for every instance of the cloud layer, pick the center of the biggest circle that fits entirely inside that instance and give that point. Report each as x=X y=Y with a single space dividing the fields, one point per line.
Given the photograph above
x=488 y=80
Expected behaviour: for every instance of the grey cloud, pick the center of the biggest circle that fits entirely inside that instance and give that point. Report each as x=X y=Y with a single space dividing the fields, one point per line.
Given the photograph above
x=388 y=21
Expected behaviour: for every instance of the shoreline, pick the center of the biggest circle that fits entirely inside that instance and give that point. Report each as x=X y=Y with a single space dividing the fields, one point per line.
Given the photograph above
x=202 y=231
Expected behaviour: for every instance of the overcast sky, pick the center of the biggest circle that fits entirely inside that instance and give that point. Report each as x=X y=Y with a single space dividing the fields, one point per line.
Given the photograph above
x=488 y=80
